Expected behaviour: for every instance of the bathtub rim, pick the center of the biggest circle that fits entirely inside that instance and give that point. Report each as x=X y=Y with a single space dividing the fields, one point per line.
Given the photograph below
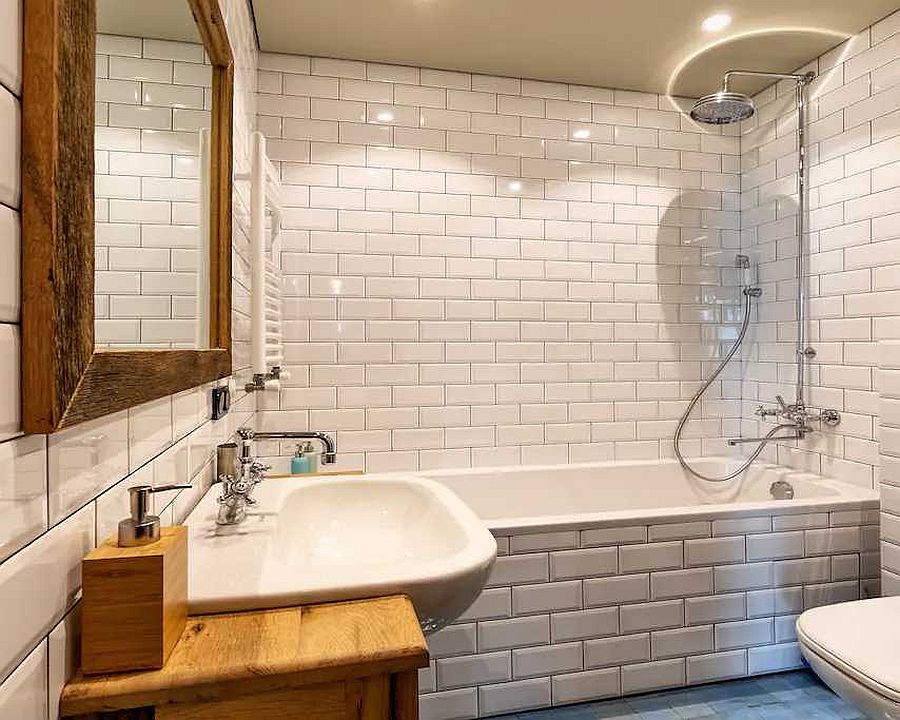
x=849 y=497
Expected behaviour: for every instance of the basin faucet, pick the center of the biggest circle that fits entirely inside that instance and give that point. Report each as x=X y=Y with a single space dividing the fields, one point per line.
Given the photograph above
x=240 y=474
x=329 y=447
x=237 y=491
x=239 y=477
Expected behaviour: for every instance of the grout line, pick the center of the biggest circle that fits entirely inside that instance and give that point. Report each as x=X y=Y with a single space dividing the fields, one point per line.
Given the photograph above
x=16 y=95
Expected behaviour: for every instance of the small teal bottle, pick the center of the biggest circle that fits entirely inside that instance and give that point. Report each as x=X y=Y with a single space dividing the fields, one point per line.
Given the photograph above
x=299 y=463
x=312 y=458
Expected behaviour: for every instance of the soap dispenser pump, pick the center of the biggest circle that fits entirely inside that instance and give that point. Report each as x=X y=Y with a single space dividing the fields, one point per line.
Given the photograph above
x=142 y=528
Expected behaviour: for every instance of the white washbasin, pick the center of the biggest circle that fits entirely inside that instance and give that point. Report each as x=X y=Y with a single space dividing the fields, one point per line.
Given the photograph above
x=341 y=538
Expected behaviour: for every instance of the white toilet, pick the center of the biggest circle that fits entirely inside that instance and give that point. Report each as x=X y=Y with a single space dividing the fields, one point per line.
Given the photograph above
x=854 y=647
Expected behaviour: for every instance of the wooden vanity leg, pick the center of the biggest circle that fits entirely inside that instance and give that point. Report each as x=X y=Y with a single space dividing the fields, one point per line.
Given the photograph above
x=369 y=698
x=405 y=692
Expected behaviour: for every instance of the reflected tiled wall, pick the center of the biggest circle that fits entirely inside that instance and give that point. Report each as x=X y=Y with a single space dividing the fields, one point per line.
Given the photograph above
x=61 y=494
x=486 y=270
x=153 y=99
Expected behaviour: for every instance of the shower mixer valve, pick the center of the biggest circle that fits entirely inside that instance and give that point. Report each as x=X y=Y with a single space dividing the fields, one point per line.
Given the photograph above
x=799 y=415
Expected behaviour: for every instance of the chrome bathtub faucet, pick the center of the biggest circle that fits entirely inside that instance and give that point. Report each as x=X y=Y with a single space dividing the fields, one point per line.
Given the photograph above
x=799 y=414
x=796 y=418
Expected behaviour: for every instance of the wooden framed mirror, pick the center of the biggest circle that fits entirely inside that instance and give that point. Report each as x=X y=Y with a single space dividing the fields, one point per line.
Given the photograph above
x=74 y=368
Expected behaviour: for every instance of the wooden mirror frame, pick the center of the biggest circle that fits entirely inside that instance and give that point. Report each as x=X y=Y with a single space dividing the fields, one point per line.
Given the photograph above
x=65 y=378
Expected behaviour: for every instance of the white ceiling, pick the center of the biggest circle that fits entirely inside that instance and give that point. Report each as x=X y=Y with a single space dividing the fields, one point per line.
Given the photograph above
x=157 y=19
x=651 y=45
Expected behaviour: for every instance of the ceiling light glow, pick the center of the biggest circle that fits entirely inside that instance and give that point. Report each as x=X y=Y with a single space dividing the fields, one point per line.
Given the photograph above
x=717 y=22
x=581 y=134
x=385 y=116
x=515 y=186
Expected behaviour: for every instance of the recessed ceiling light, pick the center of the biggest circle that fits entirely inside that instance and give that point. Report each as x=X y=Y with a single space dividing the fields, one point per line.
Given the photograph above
x=716 y=22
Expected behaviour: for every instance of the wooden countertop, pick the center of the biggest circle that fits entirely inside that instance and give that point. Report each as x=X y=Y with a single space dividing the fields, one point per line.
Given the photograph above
x=235 y=654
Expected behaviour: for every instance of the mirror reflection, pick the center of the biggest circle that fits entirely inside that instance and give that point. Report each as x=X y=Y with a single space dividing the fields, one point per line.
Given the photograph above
x=153 y=103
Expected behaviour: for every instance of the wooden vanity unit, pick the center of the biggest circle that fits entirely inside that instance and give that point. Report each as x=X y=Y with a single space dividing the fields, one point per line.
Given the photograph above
x=340 y=661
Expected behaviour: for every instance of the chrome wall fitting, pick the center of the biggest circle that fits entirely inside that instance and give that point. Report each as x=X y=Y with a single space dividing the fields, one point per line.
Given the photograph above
x=259 y=379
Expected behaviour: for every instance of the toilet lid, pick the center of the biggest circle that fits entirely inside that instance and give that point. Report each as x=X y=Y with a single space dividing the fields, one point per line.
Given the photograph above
x=859 y=638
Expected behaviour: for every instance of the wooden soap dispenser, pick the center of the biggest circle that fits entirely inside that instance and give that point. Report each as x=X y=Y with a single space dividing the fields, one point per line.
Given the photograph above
x=134 y=592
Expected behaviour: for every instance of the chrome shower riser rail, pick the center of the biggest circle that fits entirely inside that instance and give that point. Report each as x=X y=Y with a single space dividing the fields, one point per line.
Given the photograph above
x=802 y=80
x=801 y=240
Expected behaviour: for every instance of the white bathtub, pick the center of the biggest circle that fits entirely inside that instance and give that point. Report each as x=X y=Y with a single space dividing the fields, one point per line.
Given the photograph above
x=621 y=578
x=556 y=497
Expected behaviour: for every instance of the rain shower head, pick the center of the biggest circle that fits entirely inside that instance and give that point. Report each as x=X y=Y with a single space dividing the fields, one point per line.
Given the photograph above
x=722 y=108
x=726 y=106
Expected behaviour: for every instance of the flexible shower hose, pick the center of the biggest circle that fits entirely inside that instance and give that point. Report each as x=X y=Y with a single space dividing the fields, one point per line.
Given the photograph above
x=749 y=294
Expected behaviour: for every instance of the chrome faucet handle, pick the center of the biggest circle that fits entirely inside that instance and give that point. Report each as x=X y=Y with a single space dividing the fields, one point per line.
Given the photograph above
x=245 y=433
x=242 y=486
x=781 y=404
x=828 y=417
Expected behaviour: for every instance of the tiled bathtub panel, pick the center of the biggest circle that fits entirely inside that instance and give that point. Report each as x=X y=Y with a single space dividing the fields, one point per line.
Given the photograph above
x=563 y=624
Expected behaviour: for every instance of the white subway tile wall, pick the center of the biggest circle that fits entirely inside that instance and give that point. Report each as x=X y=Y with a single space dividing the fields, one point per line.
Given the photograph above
x=576 y=616
x=486 y=270
x=853 y=227
x=61 y=494
x=153 y=97
x=887 y=382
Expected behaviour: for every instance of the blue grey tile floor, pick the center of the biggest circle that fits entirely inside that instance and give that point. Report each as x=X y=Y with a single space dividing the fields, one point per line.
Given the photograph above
x=772 y=697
